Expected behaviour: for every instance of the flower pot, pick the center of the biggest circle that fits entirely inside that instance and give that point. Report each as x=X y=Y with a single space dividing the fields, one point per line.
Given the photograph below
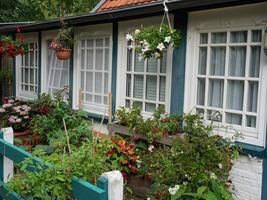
x=24 y=136
x=63 y=54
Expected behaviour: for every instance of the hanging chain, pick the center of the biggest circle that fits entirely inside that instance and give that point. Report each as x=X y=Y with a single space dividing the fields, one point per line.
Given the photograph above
x=166 y=14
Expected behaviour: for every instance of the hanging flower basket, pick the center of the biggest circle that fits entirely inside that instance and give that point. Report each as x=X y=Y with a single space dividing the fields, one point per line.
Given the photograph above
x=151 y=42
x=63 y=54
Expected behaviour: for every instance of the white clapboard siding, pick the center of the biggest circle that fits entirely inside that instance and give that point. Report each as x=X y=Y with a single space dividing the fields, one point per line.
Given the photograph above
x=246 y=176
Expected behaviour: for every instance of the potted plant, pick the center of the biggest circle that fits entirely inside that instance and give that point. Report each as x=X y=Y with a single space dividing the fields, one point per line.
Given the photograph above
x=10 y=47
x=63 y=42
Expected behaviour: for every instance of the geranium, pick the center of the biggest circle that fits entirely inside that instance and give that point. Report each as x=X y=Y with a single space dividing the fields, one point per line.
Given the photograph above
x=12 y=48
x=150 y=42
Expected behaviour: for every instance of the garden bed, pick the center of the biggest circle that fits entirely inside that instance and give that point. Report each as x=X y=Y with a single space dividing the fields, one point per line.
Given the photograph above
x=124 y=131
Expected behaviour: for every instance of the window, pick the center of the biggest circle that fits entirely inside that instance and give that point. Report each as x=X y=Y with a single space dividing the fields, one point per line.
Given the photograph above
x=57 y=72
x=146 y=82
x=28 y=71
x=228 y=77
x=95 y=72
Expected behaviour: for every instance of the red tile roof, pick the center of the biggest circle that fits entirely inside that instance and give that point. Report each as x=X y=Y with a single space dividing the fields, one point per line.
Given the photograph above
x=115 y=4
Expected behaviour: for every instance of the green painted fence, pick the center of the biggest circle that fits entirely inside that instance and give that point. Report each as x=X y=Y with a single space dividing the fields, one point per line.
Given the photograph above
x=82 y=189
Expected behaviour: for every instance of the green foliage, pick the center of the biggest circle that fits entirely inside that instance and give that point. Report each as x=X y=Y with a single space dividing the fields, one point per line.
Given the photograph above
x=65 y=37
x=6 y=74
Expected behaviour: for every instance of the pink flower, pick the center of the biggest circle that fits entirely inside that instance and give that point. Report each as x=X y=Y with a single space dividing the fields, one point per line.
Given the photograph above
x=7 y=105
x=11 y=120
x=11 y=101
x=18 y=120
x=23 y=113
x=2 y=110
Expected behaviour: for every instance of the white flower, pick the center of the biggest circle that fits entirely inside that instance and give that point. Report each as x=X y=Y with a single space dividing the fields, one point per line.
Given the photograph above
x=140 y=57
x=213 y=176
x=145 y=43
x=185 y=183
x=157 y=55
x=11 y=101
x=147 y=198
x=2 y=110
x=26 y=117
x=167 y=39
x=139 y=162
x=7 y=105
x=129 y=37
x=145 y=48
x=18 y=120
x=137 y=31
x=150 y=148
x=220 y=166
x=173 y=190
x=160 y=46
x=130 y=47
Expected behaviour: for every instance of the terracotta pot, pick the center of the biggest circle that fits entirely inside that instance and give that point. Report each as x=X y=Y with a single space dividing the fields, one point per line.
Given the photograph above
x=63 y=54
x=24 y=136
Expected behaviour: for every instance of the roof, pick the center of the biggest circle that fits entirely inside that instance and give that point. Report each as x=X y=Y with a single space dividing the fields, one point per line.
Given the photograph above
x=126 y=13
x=116 y=4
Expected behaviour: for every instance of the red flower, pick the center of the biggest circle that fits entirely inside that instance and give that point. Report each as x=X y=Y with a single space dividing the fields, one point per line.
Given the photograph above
x=158 y=195
x=124 y=175
x=110 y=152
x=18 y=29
x=135 y=138
x=155 y=129
x=44 y=110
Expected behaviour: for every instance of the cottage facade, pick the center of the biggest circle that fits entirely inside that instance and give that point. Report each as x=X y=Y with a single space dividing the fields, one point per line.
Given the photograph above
x=219 y=70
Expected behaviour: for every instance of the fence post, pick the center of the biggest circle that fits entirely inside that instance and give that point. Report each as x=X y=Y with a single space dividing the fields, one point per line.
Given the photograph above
x=115 y=184
x=6 y=165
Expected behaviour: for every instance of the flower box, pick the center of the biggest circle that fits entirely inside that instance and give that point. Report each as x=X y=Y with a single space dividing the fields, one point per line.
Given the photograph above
x=123 y=130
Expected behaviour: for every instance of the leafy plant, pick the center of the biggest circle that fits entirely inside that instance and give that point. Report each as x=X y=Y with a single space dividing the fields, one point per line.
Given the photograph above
x=12 y=48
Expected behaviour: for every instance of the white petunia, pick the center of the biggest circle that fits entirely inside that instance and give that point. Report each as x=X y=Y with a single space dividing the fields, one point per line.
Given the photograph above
x=137 y=31
x=213 y=176
x=129 y=37
x=220 y=166
x=160 y=46
x=173 y=190
x=167 y=39
x=150 y=148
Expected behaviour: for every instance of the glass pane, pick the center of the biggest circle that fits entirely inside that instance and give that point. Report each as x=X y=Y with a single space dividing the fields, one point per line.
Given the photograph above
x=218 y=37
x=151 y=88
x=82 y=59
x=139 y=65
x=26 y=75
x=202 y=61
x=99 y=59
x=251 y=121
x=215 y=97
x=127 y=103
x=99 y=42
x=150 y=107
x=105 y=100
x=152 y=65
x=31 y=58
x=106 y=59
x=90 y=43
x=83 y=43
x=90 y=59
x=89 y=81
x=138 y=86
x=217 y=61
x=233 y=118
x=254 y=65
x=26 y=56
x=203 y=38
x=107 y=42
x=200 y=111
x=106 y=83
x=252 y=96
x=98 y=82
x=89 y=97
x=256 y=35
x=128 y=85
x=237 y=61
x=98 y=99
x=163 y=62
x=201 y=92
x=31 y=76
x=214 y=115
x=129 y=60
x=139 y=104
x=162 y=87
x=238 y=36
x=235 y=95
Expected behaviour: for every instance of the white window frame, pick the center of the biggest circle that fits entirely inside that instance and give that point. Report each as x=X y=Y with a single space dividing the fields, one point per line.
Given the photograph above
x=83 y=33
x=202 y=22
x=128 y=27
x=27 y=95
x=46 y=36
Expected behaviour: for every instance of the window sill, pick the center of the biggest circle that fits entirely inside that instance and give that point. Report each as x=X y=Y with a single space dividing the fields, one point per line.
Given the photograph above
x=253 y=150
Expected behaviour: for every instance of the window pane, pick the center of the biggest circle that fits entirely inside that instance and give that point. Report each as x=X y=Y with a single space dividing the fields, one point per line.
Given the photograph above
x=201 y=92
x=238 y=36
x=233 y=118
x=31 y=53
x=106 y=83
x=214 y=115
x=83 y=43
x=251 y=121
x=106 y=59
x=26 y=75
x=98 y=82
x=127 y=103
x=89 y=81
x=82 y=80
x=31 y=76
x=202 y=62
x=203 y=38
x=162 y=87
x=107 y=42
x=151 y=88
x=252 y=96
x=237 y=61
x=254 y=66
x=129 y=60
x=200 y=111
x=217 y=61
x=152 y=65
x=139 y=104
x=105 y=100
x=99 y=59
x=89 y=97
x=90 y=43
x=90 y=58
x=82 y=59
x=235 y=93
x=215 y=93
x=150 y=107
x=218 y=37
x=256 y=35
x=99 y=42
x=139 y=65
x=128 y=85
x=98 y=99
x=138 y=86
x=163 y=62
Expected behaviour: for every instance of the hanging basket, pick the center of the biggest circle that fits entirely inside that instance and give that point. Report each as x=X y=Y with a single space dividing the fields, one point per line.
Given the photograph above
x=63 y=54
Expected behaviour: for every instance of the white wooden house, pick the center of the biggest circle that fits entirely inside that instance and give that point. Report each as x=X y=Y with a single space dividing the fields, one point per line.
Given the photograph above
x=220 y=67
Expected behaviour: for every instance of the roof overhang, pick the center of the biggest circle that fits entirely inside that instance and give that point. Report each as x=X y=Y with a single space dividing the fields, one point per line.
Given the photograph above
x=122 y=14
